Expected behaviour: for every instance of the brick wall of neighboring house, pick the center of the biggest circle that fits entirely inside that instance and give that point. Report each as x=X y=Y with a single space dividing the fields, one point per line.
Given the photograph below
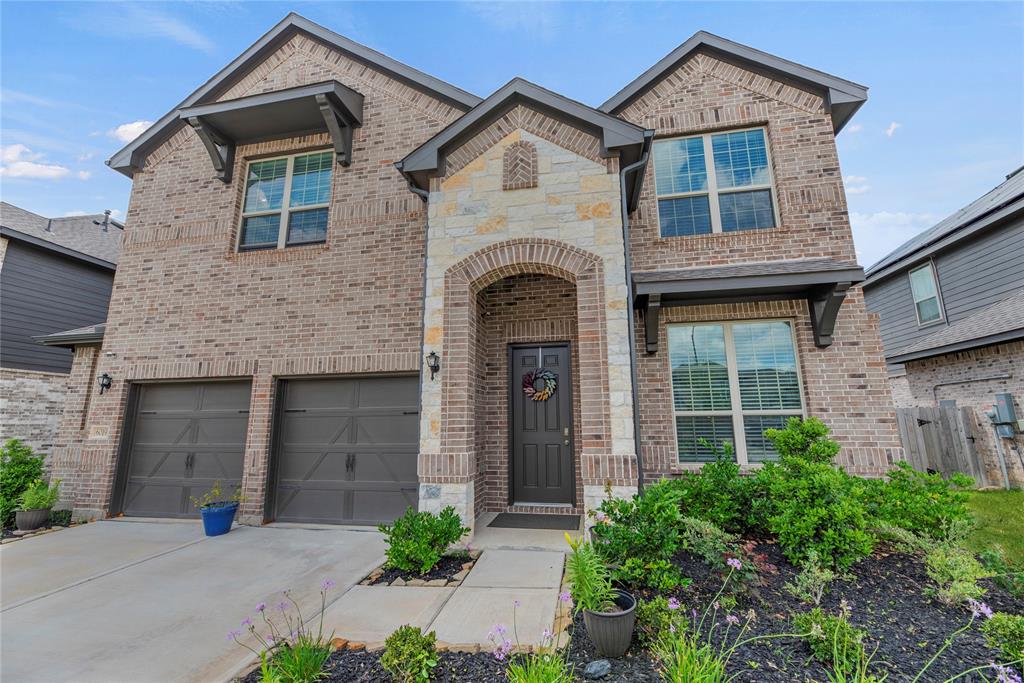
x=929 y=381
x=31 y=404
x=902 y=395
x=517 y=309
x=186 y=305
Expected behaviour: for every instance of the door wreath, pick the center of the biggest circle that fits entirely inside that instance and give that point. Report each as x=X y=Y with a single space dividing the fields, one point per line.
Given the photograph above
x=530 y=380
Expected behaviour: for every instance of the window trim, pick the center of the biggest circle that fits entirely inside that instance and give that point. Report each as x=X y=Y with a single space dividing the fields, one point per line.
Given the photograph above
x=713 y=192
x=285 y=209
x=938 y=294
x=736 y=411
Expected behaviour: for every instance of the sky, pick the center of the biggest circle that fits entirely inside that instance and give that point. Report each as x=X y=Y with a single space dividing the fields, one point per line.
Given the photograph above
x=944 y=121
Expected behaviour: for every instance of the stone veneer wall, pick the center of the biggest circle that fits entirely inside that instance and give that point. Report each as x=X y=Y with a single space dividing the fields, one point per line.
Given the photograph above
x=31 y=404
x=966 y=368
x=568 y=226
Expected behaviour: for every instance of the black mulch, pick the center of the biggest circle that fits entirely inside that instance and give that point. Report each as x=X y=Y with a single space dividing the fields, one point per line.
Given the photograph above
x=449 y=566
x=364 y=667
x=9 y=531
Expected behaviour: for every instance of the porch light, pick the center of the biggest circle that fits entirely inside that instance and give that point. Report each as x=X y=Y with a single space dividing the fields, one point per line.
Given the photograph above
x=105 y=381
x=433 y=363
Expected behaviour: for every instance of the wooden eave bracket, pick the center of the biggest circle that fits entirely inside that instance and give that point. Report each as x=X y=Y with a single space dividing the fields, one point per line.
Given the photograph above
x=651 y=306
x=824 y=309
x=218 y=146
x=340 y=128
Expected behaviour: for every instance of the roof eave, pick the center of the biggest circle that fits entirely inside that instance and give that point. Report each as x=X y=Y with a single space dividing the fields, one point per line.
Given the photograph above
x=9 y=233
x=988 y=340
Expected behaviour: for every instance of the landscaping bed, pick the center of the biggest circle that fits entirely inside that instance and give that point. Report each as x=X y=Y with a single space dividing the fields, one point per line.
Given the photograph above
x=449 y=571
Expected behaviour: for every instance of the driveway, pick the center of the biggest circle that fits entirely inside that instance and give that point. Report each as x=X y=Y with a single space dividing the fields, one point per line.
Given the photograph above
x=151 y=601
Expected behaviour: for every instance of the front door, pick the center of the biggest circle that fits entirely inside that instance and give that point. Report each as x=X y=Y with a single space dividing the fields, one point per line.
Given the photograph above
x=541 y=424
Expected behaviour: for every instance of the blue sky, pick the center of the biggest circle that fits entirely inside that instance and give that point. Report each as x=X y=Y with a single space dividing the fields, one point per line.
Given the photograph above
x=943 y=123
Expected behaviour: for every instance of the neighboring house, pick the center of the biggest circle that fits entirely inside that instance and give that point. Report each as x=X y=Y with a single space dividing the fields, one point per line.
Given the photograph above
x=55 y=273
x=951 y=304
x=351 y=287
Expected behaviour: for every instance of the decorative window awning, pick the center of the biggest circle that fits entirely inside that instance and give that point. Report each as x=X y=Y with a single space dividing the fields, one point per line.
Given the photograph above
x=823 y=282
x=328 y=106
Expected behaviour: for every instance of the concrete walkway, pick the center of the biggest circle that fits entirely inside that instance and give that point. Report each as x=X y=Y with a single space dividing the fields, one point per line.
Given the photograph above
x=134 y=602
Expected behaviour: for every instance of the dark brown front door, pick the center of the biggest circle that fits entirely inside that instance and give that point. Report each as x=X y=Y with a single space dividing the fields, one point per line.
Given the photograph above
x=541 y=429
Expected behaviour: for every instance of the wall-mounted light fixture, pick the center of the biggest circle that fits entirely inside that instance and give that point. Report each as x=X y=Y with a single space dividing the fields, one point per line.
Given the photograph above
x=433 y=363
x=105 y=381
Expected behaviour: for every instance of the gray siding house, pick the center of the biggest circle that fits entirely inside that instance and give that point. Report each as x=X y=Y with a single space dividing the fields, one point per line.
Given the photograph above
x=951 y=308
x=55 y=274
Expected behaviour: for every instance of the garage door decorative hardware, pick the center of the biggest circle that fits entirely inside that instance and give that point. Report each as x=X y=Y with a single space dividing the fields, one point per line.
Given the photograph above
x=531 y=379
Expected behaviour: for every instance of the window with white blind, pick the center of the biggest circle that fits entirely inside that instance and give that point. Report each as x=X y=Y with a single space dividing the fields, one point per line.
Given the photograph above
x=730 y=382
x=926 y=294
x=286 y=202
x=719 y=182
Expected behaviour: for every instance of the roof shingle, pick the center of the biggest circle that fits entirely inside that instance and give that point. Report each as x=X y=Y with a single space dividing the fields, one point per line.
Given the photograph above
x=78 y=233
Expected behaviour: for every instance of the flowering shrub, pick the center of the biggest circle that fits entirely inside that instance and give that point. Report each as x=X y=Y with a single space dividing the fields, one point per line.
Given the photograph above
x=1006 y=632
x=289 y=652
x=645 y=527
x=417 y=540
x=658 y=616
x=410 y=655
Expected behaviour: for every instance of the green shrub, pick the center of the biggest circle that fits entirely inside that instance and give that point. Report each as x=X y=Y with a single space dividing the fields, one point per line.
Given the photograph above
x=645 y=527
x=805 y=440
x=955 y=572
x=706 y=541
x=60 y=517
x=1006 y=632
x=1005 y=576
x=19 y=467
x=589 y=580
x=922 y=503
x=832 y=638
x=656 y=617
x=418 y=540
x=812 y=581
x=718 y=493
x=410 y=655
x=661 y=575
x=40 y=496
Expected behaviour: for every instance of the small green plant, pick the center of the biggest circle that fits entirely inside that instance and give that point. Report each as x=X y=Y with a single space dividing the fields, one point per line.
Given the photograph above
x=589 y=580
x=541 y=665
x=955 y=572
x=658 y=616
x=645 y=527
x=19 y=467
x=418 y=540
x=832 y=639
x=1005 y=632
x=805 y=440
x=40 y=496
x=1005 y=576
x=289 y=650
x=410 y=655
x=812 y=581
x=922 y=503
x=215 y=497
x=661 y=575
x=705 y=540
x=60 y=517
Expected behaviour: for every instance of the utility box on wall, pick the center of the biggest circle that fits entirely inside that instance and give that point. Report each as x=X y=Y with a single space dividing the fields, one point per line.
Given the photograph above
x=1004 y=417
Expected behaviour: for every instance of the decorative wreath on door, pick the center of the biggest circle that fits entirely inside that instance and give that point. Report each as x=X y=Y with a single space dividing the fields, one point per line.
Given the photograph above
x=530 y=380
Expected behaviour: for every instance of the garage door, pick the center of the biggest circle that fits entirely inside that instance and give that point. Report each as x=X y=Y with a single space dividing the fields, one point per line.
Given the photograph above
x=185 y=437
x=346 y=450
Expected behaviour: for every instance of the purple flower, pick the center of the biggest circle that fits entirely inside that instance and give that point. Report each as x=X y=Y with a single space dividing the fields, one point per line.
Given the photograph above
x=282 y=606
x=261 y=606
x=516 y=603
x=233 y=635
x=500 y=629
x=564 y=596
x=671 y=628
x=599 y=516
x=545 y=636
x=247 y=622
x=673 y=604
x=732 y=619
x=1005 y=674
x=327 y=585
x=734 y=563
x=979 y=609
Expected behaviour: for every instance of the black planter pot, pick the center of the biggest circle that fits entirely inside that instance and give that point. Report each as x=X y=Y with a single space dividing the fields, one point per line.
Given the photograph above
x=612 y=632
x=30 y=520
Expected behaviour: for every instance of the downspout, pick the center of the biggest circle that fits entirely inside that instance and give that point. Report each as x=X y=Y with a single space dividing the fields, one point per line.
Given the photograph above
x=638 y=168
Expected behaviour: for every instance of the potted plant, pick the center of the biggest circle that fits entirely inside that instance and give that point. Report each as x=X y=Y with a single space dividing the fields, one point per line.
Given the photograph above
x=217 y=512
x=608 y=613
x=36 y=502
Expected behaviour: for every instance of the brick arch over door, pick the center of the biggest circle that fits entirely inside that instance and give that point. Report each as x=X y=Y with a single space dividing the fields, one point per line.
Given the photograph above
x=465 y=280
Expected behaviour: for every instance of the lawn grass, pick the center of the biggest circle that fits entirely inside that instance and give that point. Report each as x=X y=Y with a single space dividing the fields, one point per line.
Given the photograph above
x=1000 y=517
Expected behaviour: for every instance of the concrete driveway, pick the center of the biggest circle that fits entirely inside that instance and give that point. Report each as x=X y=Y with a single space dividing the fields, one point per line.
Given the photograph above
x=152 y=602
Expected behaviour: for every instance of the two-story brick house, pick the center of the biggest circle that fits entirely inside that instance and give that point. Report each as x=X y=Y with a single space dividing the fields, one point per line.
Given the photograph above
x=352 y=287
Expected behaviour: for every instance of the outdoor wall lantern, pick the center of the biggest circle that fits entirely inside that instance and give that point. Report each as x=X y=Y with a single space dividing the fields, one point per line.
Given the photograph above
x=434 y=363
x=105 y=381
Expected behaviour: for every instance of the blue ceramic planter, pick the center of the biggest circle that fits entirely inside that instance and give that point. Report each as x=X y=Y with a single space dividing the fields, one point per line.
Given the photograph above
x=217 y=518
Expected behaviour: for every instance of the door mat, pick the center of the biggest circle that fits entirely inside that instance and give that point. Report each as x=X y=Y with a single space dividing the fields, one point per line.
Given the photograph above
x=522 y=520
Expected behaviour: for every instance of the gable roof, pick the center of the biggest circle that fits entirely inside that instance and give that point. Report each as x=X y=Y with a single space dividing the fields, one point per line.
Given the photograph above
x=615 y=134
x=842 y=97
x=1002 y=321
x=131 y=156
x=1003 y=201
x=74 y=236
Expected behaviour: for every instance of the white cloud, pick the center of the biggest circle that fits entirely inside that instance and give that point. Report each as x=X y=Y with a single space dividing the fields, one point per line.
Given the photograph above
x=21 y=162
x=76 y=212
x=891 y=130
x=127 y=132
x=857 y=189
x=856 y=184
x=854 y=128
x=140 y=20
x=541 y=19
x=878 y=233
x=84 y=175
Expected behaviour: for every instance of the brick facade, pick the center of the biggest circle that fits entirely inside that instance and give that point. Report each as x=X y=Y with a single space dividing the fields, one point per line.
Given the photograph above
x=31 y=404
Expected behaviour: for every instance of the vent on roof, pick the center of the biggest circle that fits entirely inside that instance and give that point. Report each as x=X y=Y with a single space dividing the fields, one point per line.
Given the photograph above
x=1013 y=173
x=105 y=222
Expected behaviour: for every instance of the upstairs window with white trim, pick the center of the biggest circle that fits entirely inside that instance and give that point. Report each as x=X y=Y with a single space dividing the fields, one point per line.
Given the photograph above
x=730 y=382
x=287 y=201
x=926 y=294
x=719 y=182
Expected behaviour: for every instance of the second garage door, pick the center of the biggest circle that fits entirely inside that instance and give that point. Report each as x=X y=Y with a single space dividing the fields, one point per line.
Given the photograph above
x=346 y=450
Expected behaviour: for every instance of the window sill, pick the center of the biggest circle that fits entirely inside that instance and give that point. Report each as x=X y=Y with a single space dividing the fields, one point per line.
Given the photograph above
x=297 y=252
x=684 y=467
x=721 y=235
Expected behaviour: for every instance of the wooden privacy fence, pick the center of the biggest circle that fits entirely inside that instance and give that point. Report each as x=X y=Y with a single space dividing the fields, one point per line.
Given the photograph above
x=941 y=439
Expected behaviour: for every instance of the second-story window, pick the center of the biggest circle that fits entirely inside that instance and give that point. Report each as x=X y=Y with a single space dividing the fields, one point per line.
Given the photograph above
x=719 y=182
x=926 y=294
x=287 y=201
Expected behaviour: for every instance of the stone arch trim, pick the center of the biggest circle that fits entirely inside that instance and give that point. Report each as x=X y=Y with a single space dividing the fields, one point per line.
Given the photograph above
x=519 y=166
x=464 y=281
